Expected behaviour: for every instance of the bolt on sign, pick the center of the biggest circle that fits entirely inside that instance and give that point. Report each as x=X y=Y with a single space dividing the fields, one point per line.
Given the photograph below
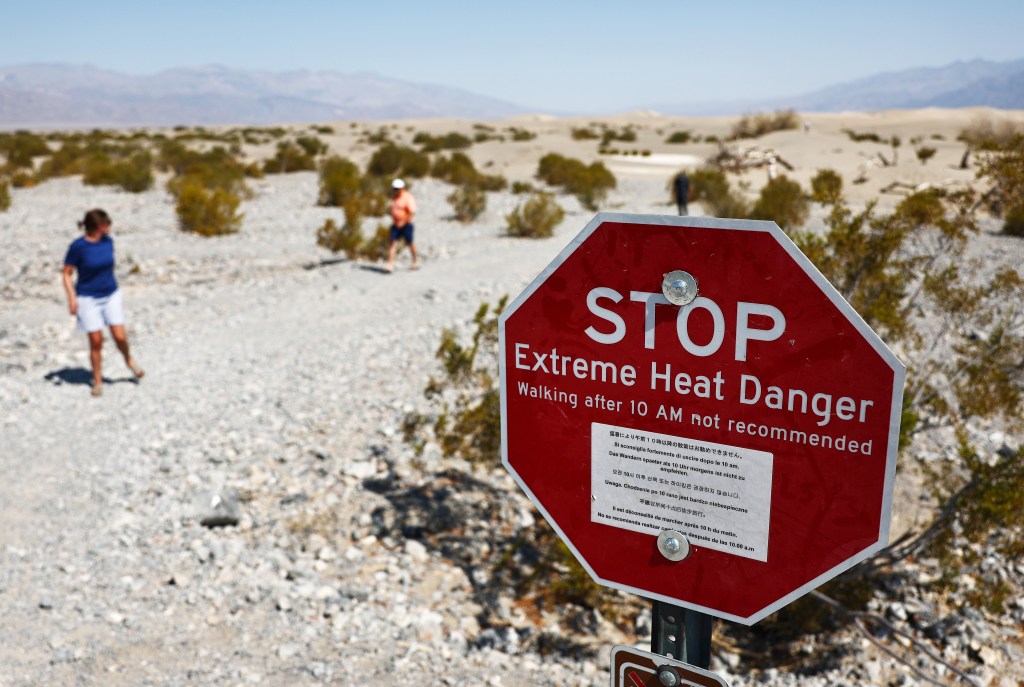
x=633 y=667
x=699 y=414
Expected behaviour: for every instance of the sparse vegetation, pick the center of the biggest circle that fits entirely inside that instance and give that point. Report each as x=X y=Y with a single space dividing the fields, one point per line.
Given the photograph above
x=290 y=157
x=759 y=124
x=925 y=153
x=680 y=137
x=589 y=183
x=207 y=211
x=392 y=160
x=867 y=137
x=519 y=187
x=519 y=134
x=711 y=189
x=340 y=181
x=5 y=194
x=536 y=218
x=468 y=202
x=132 y=173
x=450 y=141
x=584 y=133
x=782 y=201
x=1005 y=170
x=459 y=170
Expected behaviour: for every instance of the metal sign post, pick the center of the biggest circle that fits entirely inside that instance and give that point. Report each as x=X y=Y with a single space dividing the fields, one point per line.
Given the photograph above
x=681 y=634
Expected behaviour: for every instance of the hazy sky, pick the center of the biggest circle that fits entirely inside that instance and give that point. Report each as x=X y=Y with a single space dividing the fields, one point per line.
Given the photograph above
x=554 y=55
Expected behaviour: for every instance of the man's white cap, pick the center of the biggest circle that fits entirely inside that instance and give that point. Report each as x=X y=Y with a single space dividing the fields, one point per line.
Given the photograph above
x=397 y=183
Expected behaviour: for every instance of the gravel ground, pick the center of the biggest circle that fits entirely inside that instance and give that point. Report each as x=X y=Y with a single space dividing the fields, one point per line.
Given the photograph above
x=277 y=379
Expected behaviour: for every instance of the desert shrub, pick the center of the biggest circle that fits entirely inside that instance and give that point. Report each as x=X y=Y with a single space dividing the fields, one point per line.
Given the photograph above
x=679 y=137
x=325 y=130
x=207 y=211
x=925 y=153
x=522 y=187
x=589 y=183
x=536 y=218
x=1013 y=222
x=1004 y=169
x=783 y=202
x=869 y=137
x=347 y=239
x=133 y=174
x=22 y=179
x=391 y=160
x=984 y=134
x=340 y=181
x=759 y=124
x=827 y=187
x=468 y=202
x=519 y=134
x=290 y=157
x=20 y=147
x=5 y=194
x=626 y=134
x=584 y=133
x=450 y=141
x=312 y=145
x=459 y=170
x=711 y=189
x=214 y=169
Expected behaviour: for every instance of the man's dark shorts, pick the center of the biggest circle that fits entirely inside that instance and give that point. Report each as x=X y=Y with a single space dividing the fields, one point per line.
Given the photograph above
x=404 y=233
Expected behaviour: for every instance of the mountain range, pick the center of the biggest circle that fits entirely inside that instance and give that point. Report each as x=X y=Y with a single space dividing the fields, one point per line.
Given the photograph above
x=55 y=95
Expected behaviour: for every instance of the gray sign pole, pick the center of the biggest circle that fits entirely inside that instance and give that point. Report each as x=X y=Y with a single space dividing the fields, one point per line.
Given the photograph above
x=681 y=634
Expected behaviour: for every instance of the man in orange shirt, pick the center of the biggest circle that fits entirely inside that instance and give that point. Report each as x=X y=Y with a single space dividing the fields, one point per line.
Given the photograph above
x=403 y=208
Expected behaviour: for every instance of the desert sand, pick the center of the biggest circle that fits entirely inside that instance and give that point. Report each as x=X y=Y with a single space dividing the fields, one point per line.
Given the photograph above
x=280 y=376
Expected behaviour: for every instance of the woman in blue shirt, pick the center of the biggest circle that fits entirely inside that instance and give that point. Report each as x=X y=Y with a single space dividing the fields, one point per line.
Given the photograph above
x=95 y=298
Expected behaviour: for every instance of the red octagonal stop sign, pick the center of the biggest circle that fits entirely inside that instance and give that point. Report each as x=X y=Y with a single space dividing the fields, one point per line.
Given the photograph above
x=756 y=424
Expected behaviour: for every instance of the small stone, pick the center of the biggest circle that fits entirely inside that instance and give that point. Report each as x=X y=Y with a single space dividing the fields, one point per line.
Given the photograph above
x=417 y=551
x=217 y=509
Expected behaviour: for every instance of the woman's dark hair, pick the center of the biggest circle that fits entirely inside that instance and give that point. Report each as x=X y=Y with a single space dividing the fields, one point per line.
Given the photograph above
x=94 y=219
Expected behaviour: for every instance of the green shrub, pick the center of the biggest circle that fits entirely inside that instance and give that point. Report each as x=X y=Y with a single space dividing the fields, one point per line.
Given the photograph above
x=756 y=125
x=390 y=160
x=340 y=181
x=536 y=218
x=290 y=157
x=312 y=145
x=1004 y=168
x=206 y=211
x=783 y=202
x=468 y=202
x=133 y=174
x=5 y=195
x=450 y=141
x=459 y=170
x=584 y=134
x=680 y=137
x=522 y=187
x=215 y=169
x=519 y=134
x=20 y=147
x=827 y=187
x=325 y=130
x=626 y=134
x=589 y=183
x=711 y=189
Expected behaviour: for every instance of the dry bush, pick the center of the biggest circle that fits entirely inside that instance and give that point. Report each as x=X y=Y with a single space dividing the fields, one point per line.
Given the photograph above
x=290 y=157
x=584 y=134
x=711 y=189
x=5 y=194
x=459 y=170
x=468 y=202
x=680 y=137
x=985 y=134
x=782 y=201
x=589 y=183
x=132 y=173
x=869 y=137
x=925 y=153
x=340 y=181
x=536 y=218
x=759 y=124
x=827 y=187
x=207 y=211
x=1004 y=168
x=522 y=187
x=519 y=134
x=20 y=148
x=391 y=160
x=450 y=141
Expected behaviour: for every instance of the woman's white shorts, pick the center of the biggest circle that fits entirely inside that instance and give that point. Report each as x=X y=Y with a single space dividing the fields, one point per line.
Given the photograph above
x=96 y=313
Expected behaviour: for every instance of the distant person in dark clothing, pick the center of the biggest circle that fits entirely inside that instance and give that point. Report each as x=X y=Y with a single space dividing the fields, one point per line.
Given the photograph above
x=95 y=299
x=681 y=191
